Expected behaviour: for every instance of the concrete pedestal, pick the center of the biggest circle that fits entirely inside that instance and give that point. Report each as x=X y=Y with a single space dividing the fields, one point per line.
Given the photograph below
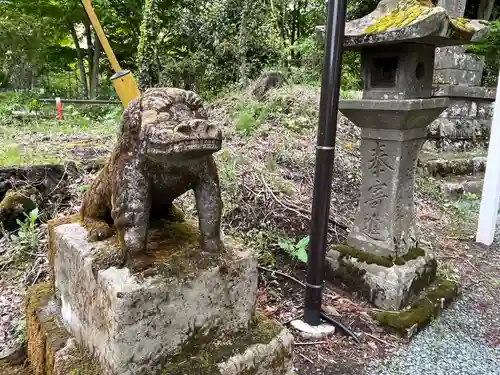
x=172 y=309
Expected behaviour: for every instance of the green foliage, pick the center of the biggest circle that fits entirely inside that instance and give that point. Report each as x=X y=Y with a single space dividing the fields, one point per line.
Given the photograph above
x=489 y=48
x=27 y=238
x=296 y=250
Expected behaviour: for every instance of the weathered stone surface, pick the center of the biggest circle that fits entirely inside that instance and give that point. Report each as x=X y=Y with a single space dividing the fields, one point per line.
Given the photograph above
x=442 y=166
x=465 y=125
x=132 y=320
x=397 y=71
x=466 y=92
x=264 y=348
x=390 y=143
x=460 y=128
x=389 y=288
x=454 y=8
x=396 y=21
x=267 y=82
x=455 y=58
x=457 y=77
x=457 y=187
x=485 y=111
x=429 y=305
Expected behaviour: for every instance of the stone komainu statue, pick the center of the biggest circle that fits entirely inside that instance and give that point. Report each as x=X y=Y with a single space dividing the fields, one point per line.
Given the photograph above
x=164 y=149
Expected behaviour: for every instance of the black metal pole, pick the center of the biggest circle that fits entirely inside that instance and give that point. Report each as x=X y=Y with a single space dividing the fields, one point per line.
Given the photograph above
x=325 y=152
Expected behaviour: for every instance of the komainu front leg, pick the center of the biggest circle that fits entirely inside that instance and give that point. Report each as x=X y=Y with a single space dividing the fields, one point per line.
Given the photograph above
x=131 y=208
x=209 y=206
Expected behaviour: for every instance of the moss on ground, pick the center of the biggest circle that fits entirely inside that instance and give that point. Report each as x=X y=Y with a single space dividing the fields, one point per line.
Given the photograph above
x=369 y=258
x=206 y=350
x=422 y=311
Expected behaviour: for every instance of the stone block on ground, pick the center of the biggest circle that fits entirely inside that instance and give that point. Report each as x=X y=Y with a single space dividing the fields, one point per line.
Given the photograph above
x=264 y=348
x=134 y=317
x=455 y=165
x=456 y=187
x=51 y=350
x=388 y=283
x=427 y=307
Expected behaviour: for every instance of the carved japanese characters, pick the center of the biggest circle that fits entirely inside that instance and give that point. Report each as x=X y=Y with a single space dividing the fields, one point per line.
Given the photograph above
x=164 y=149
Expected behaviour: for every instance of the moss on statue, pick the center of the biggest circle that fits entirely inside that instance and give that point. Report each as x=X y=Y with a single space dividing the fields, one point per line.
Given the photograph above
x=173 y=252
x=384 y=261
x=47 y=336
x=205 y=350
x=422 y=311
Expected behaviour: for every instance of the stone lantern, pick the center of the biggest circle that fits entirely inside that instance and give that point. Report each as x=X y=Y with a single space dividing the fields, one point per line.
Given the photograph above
x=383 y=258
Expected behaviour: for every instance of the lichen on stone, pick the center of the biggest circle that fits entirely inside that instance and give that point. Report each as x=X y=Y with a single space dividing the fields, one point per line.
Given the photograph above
x=405 y=13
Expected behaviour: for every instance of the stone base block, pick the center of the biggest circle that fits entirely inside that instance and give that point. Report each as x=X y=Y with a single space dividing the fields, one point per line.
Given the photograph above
x=263 y=348
x=431 y=302
x=134 y=317
x=51 y=350
x=388 y=283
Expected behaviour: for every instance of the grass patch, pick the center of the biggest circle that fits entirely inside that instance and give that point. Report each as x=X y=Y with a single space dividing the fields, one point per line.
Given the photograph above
x=13 y=155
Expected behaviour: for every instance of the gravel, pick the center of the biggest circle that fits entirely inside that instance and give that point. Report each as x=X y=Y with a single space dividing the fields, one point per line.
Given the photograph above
x=465 y=340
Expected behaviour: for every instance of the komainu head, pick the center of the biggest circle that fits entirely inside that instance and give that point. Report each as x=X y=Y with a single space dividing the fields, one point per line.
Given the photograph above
x=171 y=124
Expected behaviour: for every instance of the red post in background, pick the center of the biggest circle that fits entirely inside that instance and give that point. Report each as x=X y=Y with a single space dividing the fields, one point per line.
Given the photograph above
x=59 y=109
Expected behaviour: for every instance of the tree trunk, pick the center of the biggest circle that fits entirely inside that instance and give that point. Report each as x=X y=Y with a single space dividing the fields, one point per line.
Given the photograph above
x=242 y=45
x=90 y=52
x=81 y=66
x=485 y=9
x=94 y=79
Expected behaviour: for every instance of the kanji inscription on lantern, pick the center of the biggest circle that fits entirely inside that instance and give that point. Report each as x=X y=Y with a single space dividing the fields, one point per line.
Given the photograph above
x=378 y=162
x=372 y=221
